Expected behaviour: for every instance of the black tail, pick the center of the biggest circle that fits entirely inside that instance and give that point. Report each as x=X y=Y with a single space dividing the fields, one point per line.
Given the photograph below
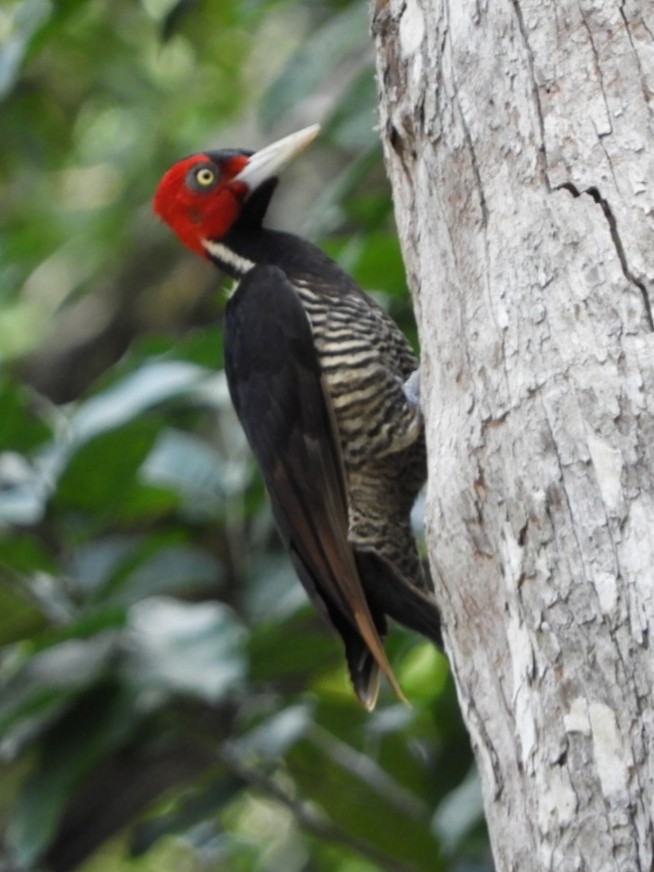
x=363 y=668
x=391 y=593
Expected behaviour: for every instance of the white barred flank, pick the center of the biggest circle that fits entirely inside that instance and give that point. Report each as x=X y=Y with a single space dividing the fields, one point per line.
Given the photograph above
x=365 y=360
x=338 y=347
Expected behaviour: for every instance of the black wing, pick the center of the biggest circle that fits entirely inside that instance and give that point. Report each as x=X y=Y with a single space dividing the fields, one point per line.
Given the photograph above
x=277 y=389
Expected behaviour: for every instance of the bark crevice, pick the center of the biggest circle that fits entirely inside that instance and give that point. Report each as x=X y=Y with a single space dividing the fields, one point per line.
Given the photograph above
x=542 y=149
x=598 y=71
x=646 y=93
x=473 y=161
x=603 y=203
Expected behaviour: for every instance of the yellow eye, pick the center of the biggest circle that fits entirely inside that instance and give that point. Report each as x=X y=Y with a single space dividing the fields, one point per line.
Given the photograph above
x=205 y=177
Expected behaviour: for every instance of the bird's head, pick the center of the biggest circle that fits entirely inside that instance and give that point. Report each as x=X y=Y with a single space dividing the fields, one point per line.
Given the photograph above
x=202 y=196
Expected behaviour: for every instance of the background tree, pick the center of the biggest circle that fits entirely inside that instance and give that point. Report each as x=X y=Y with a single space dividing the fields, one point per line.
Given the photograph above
x=165 y=693
x=519 y=141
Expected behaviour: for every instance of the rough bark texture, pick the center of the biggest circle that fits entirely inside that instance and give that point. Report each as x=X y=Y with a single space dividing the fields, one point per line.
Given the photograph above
x=519 y=139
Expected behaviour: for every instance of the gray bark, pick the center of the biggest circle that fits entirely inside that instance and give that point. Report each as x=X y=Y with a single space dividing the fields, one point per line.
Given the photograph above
x=519 y=140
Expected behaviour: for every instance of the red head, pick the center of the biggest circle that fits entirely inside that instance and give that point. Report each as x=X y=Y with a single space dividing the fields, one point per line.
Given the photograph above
x=201 y=196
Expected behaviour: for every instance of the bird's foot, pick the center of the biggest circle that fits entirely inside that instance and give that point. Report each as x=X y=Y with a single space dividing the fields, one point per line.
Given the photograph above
x=412 y=388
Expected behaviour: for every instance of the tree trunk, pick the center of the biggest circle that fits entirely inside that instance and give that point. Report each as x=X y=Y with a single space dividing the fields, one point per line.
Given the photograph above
x=520 y=144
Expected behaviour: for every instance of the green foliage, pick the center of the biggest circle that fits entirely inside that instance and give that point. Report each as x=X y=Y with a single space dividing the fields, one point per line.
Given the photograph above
x=167 y=697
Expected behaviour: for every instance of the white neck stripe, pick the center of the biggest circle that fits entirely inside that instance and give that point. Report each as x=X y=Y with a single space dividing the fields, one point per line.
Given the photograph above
x=225 y=255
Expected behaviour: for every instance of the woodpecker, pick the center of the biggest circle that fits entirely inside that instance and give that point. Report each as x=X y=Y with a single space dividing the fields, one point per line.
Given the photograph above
x=317 y=373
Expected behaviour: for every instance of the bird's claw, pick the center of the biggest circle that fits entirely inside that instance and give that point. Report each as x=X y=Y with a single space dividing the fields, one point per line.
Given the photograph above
x=412 y=388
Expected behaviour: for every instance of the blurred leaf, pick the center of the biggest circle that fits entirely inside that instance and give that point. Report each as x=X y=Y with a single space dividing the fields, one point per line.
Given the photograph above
x=154 y=383
x=187 y=464
x=22 y=20
x=35 y=688
x=459 y=812
x=96 y=561
x=423 y=671
x=202 y=347
x=20 y=617
x=33 y=818
x=352 y=124
x=94 y=725
x=376 y=260
x=187 y=812
x=320 y=54
x=157 y=568
x=296 y=649
x=175 y=15
x=23 y=490
x=145 y=503
x=274 y=590
x=276 y=734
x=328 y=212
x=100 y=471
x=21 y=428
x=192 y=649
x=358 y=801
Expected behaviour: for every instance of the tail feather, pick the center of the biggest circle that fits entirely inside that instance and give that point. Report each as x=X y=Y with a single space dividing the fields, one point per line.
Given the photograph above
x=362 y=665
x=388 y=591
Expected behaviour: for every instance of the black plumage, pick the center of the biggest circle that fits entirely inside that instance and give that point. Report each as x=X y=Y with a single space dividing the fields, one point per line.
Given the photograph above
x=317 y=373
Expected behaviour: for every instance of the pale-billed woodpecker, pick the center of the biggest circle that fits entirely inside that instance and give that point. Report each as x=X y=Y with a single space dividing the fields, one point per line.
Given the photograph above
x=317 y=373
